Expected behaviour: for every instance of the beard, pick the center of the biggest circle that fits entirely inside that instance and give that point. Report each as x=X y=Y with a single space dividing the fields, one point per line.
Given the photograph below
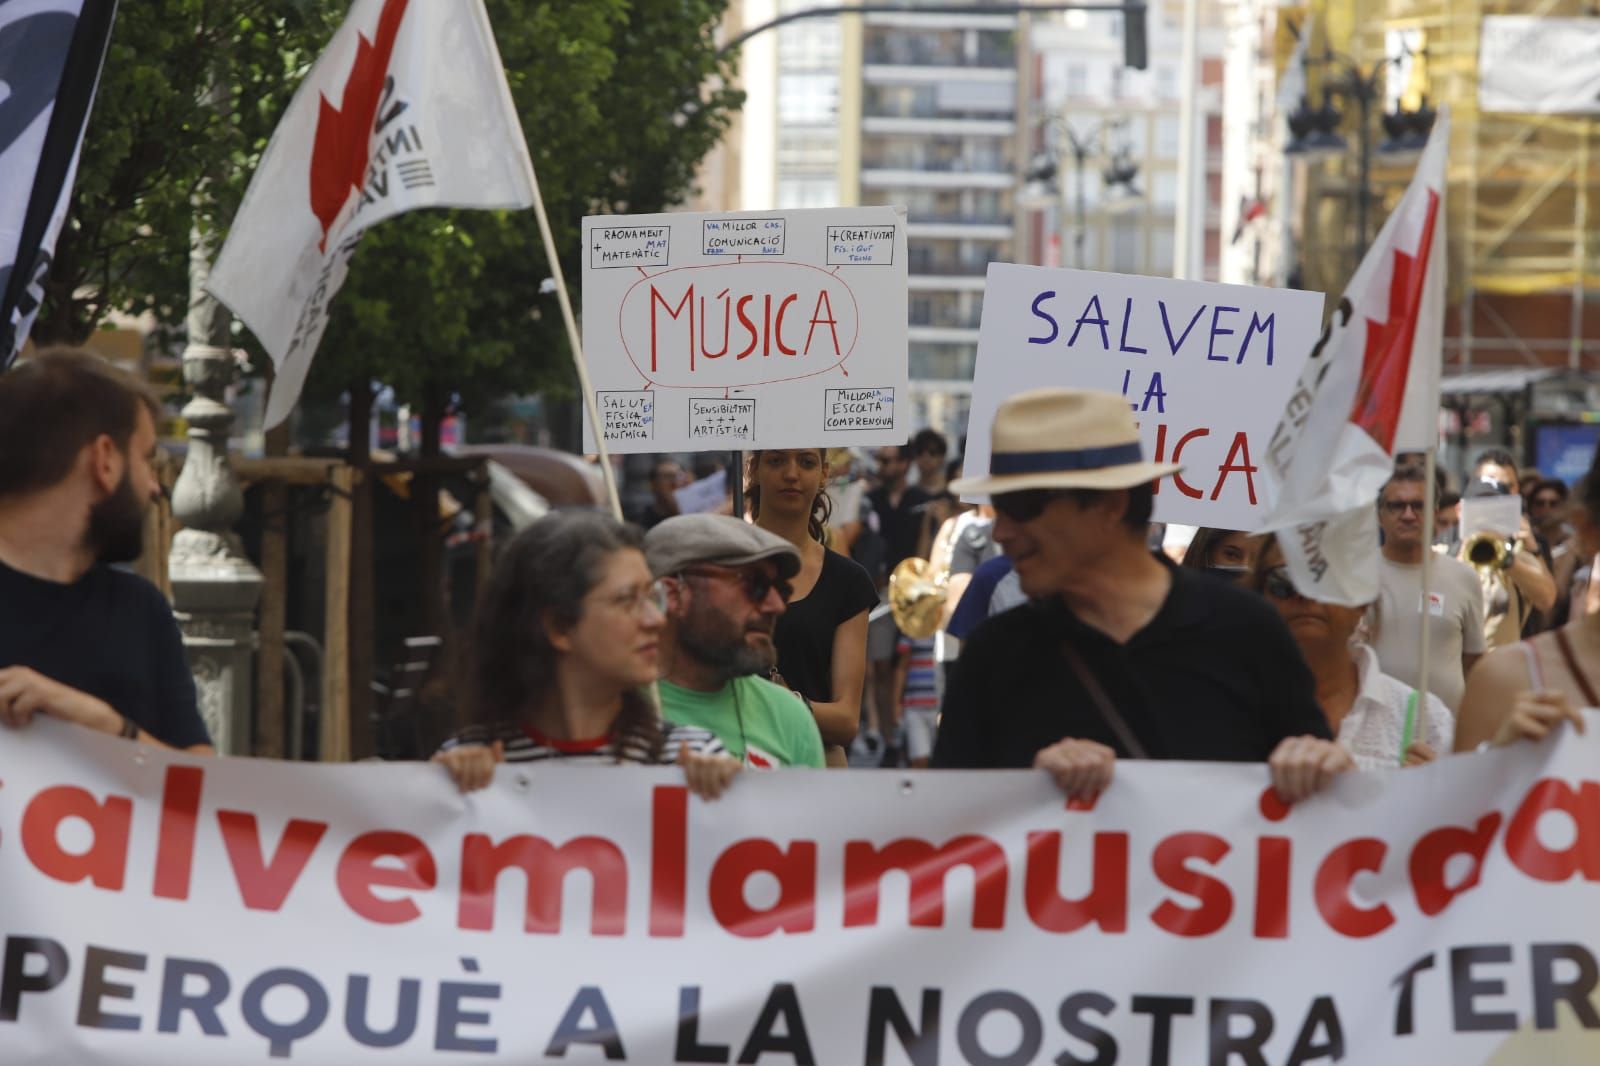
x=116 y=525
x=715 y=641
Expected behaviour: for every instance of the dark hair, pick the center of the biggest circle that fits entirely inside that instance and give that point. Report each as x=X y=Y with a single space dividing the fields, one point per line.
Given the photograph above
x=54 y=404
x=1554 y=485
x=1141 y=503
x=661 y=462
x=1497 y=456
x=929 y=440
x=1197 y=556
x=1412 y=475
x=543 y=575
x=1588 y=489
x=821 y=507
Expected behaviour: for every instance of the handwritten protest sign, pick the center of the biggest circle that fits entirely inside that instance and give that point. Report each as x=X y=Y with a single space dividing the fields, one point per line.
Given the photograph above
x=782 y=329
x=1206 y=369
x=165 y=910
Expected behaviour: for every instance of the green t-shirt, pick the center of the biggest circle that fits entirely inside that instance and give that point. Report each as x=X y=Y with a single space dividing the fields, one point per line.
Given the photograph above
x=758 y=722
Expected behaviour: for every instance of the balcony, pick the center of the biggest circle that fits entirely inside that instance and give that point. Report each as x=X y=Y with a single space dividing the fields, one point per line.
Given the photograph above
x=921 y=52
x=970 y=164
x=946 y=318
x=947 y=265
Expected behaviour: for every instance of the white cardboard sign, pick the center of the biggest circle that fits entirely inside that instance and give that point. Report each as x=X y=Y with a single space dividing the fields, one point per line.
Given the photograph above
x=770 y=329
x=1206 y=369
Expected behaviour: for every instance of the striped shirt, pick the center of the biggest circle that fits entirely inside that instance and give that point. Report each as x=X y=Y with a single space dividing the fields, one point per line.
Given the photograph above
x=922 y=675
x=524 y=743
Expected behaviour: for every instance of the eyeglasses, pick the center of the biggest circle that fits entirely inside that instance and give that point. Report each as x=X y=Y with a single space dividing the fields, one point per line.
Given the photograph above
x=1396 y=507
x=757 y=583
x=1276 y=583
x=636 y=599
x=1024 y=506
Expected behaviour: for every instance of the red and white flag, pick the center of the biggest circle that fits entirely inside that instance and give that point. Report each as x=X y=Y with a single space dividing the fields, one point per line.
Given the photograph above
x=407 y=107
x=1369 y=390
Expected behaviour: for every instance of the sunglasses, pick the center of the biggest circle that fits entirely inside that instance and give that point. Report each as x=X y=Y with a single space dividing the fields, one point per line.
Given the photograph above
x=757 y=583
x=1276 y=583
x=1401 y=506
x=1023 y=506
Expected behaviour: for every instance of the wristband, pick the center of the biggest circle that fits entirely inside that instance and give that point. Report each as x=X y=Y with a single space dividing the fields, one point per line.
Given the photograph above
x=129 y=730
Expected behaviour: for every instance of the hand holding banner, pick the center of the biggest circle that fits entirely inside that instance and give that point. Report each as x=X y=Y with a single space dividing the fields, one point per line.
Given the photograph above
x=167 y=909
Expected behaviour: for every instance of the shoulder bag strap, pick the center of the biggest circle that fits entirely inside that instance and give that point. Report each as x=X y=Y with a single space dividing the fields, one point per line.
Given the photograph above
x=1577 y=671
x=1102 y=703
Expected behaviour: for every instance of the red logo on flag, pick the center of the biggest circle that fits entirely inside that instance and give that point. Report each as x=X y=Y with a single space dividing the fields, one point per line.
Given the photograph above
x=1386 y=361
x=343 y=144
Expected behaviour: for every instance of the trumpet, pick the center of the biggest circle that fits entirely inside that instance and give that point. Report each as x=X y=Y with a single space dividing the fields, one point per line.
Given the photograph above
x=917 y=597
x=1488 y=551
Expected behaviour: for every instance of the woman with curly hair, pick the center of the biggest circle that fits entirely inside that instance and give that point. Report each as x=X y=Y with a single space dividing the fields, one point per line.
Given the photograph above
x=822 y=637
x=565 y=642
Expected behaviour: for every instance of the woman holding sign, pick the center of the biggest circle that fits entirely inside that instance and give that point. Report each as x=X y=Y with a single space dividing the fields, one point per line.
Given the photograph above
x=1380 y=721
x=564 y=643
x=822 y=637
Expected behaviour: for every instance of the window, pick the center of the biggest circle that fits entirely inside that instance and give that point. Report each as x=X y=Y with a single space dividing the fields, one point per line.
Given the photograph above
x=807 y=97
x=1168 y=128
x=1126 y=246
x=1077 y=80
x=807 y=192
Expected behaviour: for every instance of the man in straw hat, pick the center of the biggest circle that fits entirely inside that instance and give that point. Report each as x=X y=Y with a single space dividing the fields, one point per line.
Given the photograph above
x=1118 y=652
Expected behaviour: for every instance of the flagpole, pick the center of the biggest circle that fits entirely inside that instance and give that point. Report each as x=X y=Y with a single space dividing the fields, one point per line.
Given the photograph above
x=1429 y=500
x=573 y=338
x=562 y=296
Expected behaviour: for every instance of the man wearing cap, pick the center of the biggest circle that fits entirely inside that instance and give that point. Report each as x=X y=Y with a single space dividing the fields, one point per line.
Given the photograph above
x=727 y=583
x=1119 y=652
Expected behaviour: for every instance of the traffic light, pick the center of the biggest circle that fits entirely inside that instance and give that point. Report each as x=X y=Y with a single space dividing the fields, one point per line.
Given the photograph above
x=1135 y=45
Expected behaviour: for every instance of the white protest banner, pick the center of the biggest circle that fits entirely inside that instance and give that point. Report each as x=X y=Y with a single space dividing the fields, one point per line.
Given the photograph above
x=769 y=329
x=170 y=910
x=406 y=108
x=1539 y=64
x=1205 y=367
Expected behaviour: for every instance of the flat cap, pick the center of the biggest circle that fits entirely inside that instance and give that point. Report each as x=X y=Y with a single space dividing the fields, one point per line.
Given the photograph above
x=722 y=540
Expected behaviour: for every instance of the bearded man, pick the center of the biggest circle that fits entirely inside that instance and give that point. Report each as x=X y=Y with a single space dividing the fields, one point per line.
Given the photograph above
x=81 y=640
x=727 y=582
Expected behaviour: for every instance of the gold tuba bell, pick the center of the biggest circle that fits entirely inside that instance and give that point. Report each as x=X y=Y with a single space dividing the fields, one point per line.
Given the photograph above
x=916 y=597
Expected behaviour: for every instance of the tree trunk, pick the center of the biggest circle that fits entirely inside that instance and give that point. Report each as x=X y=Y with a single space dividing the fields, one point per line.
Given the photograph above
x=363 y=585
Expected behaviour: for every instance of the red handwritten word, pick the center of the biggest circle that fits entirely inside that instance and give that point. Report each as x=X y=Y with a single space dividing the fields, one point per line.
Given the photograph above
x=1237 y=462
x=1199 y=903
x=764 y=322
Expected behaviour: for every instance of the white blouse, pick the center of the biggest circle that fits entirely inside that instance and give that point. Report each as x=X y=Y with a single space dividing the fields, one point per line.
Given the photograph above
x=1373 y=729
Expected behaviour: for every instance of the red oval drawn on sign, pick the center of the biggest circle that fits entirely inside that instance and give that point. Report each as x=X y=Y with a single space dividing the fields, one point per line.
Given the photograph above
x=699 y=326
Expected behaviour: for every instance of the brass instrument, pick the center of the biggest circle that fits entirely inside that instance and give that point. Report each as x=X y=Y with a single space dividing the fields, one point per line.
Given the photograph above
x=1488 y=551
x=917 y=597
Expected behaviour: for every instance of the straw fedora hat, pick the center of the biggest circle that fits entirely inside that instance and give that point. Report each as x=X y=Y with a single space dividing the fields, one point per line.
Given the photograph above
x=1063 y=439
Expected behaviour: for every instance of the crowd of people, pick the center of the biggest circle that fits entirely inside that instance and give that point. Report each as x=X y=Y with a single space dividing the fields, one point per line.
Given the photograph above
x=1066 y=637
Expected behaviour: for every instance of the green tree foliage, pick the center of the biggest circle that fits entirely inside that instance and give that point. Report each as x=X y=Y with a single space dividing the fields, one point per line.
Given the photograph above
x=619 y=100
x=158 y=149
x=614 y=101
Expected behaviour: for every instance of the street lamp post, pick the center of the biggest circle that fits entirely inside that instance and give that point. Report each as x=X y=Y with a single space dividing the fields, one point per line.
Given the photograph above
x=1315 y=131
x=1120 y=172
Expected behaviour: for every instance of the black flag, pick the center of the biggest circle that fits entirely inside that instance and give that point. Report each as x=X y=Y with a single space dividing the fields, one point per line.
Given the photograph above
x=50 y=62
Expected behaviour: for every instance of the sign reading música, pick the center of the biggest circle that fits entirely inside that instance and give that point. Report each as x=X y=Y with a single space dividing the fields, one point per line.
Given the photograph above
x=707 y=332
x=1206 y=369
x=172 y=910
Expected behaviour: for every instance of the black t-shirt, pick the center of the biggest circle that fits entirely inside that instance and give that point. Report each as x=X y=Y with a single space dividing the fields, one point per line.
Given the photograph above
x=110 y=634
x=901 y=526
x=805 y=631
x=1215 y=675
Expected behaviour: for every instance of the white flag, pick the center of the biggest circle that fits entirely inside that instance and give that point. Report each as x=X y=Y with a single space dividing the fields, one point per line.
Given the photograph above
x=1369 y=390
x=407 y=107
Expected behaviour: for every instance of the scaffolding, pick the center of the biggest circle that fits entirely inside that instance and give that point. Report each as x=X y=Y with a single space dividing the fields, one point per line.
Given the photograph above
x=1522 y=270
